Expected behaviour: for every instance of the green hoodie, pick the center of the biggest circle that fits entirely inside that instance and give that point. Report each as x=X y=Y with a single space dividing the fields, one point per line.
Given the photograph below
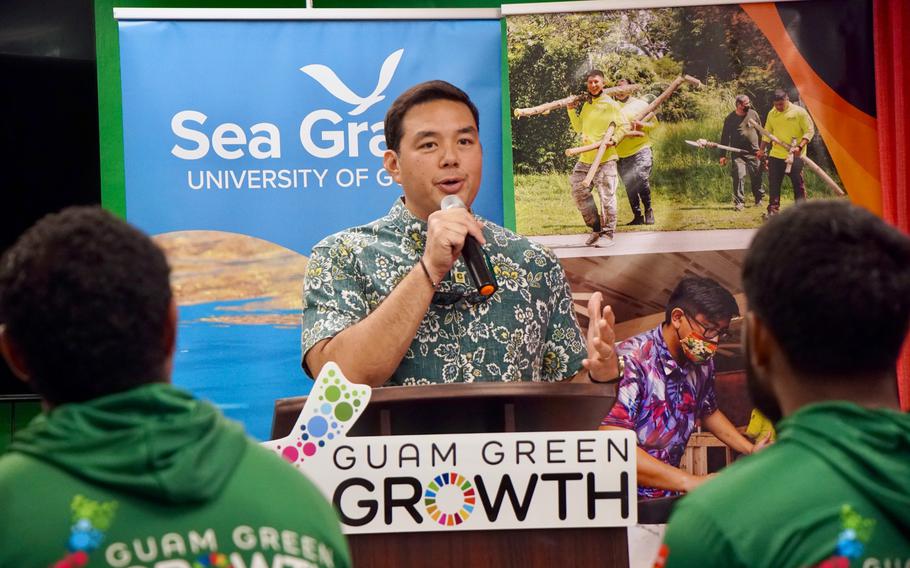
x=834 y=491
x=152 y=477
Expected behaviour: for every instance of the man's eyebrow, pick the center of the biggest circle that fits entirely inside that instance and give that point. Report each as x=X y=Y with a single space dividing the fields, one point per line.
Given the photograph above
x=464 y=130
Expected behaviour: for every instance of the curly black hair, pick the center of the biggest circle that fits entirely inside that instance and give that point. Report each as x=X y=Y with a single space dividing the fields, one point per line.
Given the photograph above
x=832 y=283
x=702 y=295
x=85 y=297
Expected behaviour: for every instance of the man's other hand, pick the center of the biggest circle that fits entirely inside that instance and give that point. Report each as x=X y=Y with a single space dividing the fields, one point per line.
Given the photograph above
x=601 y=362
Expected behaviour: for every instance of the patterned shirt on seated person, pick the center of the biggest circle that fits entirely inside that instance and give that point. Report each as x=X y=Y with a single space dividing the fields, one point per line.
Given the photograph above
x=660 y=399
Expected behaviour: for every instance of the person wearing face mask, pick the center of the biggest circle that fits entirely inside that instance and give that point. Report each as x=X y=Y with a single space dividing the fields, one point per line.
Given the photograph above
x=821 y=362
x=738 y=133
x=668 y=383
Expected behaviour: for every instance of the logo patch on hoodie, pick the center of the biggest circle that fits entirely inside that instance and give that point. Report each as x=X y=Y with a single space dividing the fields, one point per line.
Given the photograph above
x=91 y=520
x=855 y=533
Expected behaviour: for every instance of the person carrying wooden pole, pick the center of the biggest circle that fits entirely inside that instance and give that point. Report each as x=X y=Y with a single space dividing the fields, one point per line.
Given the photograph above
x=785 y=121
x=605 y=147
x=600 y=119
x=635 y=159
x=813 y=167
x=738 y=133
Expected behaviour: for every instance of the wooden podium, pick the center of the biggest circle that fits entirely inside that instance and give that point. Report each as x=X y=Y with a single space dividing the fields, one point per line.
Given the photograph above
x=480 y=408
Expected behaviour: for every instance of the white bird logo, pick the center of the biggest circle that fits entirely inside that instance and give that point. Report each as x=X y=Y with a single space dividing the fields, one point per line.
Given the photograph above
x=330 y=81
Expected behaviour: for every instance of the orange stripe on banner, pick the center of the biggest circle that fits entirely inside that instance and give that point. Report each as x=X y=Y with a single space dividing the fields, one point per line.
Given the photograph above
x=849 y=133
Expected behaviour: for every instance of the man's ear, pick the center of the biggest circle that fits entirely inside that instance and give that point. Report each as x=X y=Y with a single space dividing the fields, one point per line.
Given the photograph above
x=676 y=316
x=169 y=339
x=13 y=355
x=761 y=343
x=170 y=328
x=392 y=164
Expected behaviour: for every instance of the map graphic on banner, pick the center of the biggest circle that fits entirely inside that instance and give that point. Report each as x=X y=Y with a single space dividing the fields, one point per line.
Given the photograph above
x=245 y=143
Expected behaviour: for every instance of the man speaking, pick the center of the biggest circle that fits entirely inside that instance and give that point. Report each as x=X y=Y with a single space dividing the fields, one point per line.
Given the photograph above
x=393 y=302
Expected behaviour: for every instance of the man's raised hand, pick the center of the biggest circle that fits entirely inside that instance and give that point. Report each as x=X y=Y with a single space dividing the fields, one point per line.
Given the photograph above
x=601 y=363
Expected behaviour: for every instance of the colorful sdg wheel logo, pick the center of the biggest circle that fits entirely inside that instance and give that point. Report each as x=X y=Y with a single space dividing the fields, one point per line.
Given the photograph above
x=449 y=499
x=332 y=406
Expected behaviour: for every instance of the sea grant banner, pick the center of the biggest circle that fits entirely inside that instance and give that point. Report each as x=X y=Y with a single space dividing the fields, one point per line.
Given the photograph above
x=247 y=142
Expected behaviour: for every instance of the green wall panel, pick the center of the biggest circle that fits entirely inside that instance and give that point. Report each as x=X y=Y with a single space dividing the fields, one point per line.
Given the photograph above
x=23 y=412
x=6 y=424
x=15 y=415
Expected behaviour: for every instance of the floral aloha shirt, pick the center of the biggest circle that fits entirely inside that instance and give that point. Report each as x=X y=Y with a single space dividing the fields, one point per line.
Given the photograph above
x=525 y=332
x=660 y=399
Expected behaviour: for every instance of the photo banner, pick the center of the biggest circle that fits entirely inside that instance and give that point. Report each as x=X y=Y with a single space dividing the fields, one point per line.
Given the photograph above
x=247 y=142
x=682 y=68
x=683 y=189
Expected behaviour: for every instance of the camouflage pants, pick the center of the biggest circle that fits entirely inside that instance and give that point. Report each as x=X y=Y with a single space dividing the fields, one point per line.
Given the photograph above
x=605 y=182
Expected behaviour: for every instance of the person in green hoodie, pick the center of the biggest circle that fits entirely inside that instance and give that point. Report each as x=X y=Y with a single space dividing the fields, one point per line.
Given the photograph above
x=122 y=469
x=834 y=491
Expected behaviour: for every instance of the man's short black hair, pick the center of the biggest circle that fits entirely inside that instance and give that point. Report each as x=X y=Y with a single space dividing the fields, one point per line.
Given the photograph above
x=832 y=283
x=741 y=99
x=86 y=298
x=418 y=94
x=594 y=73
x=701 y=295
x=780 y=95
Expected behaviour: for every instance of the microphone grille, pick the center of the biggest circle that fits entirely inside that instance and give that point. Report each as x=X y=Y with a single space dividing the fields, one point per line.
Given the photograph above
x=451 y=202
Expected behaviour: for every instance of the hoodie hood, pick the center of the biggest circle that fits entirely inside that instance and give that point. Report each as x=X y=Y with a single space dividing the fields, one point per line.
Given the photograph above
x=153 y=441
x=868 y=447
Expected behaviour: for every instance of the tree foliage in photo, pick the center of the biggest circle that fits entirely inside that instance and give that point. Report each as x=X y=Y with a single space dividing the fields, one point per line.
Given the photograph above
x=549 y=55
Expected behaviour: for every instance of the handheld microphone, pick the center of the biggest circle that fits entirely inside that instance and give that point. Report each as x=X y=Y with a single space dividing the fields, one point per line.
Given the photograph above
x=473 y=255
